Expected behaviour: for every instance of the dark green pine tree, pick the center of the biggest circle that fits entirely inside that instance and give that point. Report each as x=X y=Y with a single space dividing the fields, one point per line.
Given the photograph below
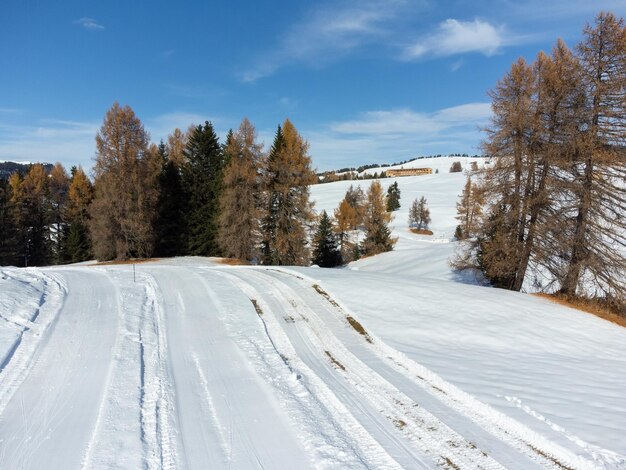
x=8 y=231
x=268 y=225
x=393 y=197
x=77 y=245
x=202 y=177
x=326 y=253
x=225 y=146
x=169 y=226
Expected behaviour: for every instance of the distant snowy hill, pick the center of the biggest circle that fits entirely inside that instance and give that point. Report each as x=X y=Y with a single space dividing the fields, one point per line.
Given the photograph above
x=7 y=168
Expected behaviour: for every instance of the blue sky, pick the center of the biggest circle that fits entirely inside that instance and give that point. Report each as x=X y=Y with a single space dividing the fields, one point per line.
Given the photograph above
x=363 y=81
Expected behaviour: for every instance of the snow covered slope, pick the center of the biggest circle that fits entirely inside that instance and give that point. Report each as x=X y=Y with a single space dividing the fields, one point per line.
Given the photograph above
x=391 y=362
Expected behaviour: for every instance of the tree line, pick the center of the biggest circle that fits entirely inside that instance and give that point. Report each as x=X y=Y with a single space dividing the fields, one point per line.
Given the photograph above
x=551 y=209
x=190 y=195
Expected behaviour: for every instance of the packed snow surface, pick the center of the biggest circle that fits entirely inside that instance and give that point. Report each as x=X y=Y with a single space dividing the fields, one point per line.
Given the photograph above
x=391 y=362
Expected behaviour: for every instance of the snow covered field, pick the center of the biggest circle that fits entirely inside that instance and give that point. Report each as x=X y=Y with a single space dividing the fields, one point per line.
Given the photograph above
x=391 y=362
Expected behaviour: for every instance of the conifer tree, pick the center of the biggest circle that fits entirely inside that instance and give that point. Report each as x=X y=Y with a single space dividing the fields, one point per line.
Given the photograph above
x=325 y=251
x=36 y=216
x=80 y=195
x=419 y=214
x=393 y=197
x=555 y=195
x=8 y=228
x=126 y=190
x=510 y=143
x=347 y=221
x=456 y=167
x=240 y=205
x=356 y=198
x=376 y=222
x=16 y=205
x=169 y=225
x=598 y=240
x=59 y=187
x=469 y=210
x=202 y=177
x=349 y=217
x=289 y=211
x=176 y=145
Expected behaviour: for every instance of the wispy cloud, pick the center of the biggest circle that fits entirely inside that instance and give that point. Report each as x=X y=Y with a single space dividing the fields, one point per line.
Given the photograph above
x=454 y=37
x=329 y=33
x=393 y=135
x=10 y=110
x=73 y=143
x=52 y=140
x=89 y=23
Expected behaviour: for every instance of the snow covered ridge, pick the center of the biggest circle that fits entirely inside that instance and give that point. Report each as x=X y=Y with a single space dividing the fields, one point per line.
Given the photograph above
x=200 y=365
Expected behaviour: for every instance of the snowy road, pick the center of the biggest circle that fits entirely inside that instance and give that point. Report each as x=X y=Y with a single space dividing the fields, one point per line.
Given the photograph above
x=224 y=367
x=46 y=422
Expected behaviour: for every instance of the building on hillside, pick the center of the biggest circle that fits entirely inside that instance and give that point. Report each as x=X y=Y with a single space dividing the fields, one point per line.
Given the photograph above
x=409 y=172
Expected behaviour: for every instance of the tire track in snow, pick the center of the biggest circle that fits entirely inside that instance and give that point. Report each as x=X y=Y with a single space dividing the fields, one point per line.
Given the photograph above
x=515 y=434
x=156 y=400
x=413 y=423
x=365 y=447
x=227 y=415
x=225 y=442
x=135 y=417
x=48 y=422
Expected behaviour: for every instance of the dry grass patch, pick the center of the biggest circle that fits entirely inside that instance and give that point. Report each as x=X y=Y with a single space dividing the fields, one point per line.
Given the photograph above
x=257 y=307
x=125 y=261
x=399 y=423
x=447 y=463
x=233 y=262
x=334 y=361
x=359 y=328
x=421 y=231
x=586 y=305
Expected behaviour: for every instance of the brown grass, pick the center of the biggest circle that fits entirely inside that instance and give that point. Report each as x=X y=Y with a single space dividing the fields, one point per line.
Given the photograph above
x=400 y=424
x=257 y=307
x=323 y=293
x=586 y=305
x=125 y=261
x=421 y=231
x=335 y=361
x=450 y=464
x=233 y=262
x=359 y=328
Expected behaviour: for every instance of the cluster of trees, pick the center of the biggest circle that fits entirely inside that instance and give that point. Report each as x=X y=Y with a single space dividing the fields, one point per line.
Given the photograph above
x=190 y=195
x=552 y=210
x=43 y=216
x=456 y=167
x=332 y=176
x=196 y=196
x=360 y=226
x=8 y=168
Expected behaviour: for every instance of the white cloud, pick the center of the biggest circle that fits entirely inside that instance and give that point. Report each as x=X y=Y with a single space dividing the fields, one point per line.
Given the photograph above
x=89 y=23
x=454 y=37
x=69 y=142
x=394 y=135
x=329 y=32
x=73 y=143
